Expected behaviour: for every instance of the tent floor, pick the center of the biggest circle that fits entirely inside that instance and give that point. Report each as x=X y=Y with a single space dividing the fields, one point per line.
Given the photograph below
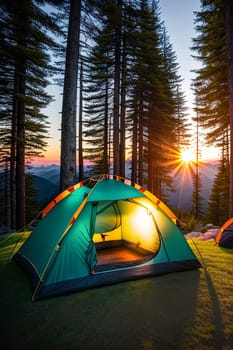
x=118 y=255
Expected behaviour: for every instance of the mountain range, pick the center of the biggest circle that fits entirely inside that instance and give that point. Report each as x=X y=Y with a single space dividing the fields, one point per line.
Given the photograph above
x=183 y=184
x=46 y=182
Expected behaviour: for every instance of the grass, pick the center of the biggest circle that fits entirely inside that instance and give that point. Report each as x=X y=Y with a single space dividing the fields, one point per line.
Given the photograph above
x=186 y=310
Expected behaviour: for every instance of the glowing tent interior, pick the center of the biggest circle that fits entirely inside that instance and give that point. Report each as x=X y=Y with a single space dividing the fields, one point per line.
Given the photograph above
x=102 y=231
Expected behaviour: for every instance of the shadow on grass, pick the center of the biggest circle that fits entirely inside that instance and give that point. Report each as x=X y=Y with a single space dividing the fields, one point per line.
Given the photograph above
x=154 y=313
x=218 y=331
x=180 y=311
x=226 y=250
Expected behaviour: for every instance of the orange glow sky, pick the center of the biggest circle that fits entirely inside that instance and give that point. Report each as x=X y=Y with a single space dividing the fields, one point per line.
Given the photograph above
x=178 y=17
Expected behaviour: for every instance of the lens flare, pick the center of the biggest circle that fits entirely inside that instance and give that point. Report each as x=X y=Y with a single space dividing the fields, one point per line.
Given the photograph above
x=187 y=156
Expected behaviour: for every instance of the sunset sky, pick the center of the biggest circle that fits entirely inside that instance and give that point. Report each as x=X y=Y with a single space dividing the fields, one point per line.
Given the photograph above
x=179 y=21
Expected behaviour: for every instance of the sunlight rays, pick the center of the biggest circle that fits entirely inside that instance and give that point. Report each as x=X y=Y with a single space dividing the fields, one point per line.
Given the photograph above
x=187 y=155
x=185 y=163
x=184 y=167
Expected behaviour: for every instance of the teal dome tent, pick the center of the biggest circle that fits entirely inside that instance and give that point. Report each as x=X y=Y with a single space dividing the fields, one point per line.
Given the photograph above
x=99 y=232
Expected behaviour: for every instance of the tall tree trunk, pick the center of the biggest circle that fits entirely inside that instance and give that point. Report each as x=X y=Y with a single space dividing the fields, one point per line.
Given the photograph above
x=116 y=125
x=20 y=151
x=106 y=155
x=123 y=108
x=110 y=140
x=7 y=210
x=68 y=132
x=134 y=150
x=140 y=142
x=150 y=167
x=116 y=102
x=228 y=9
x=13 y=157
x=80 y=130
x=152 y=156
x=19 y=115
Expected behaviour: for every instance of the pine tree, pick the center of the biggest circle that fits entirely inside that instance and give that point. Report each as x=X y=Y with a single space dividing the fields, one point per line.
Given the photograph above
x=69 y=111
x=211 y=83
x=32 y=204
x=102 y=91
x=144 y=98
x=175 y=112
x=80 y=128
x=26 y=67
x=145 y=60
x=154 y=103
x=219 y=197
x=228 y=25
x=97 y=113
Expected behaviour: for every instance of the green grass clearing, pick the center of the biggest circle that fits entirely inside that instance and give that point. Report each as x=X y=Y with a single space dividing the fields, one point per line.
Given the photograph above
x=186 y=310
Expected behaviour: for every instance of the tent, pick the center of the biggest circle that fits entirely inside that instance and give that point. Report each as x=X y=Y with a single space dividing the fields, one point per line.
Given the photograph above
x=99 y=232
x=224 y=236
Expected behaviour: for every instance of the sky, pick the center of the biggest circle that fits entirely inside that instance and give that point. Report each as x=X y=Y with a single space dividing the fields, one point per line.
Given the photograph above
x=178 y=16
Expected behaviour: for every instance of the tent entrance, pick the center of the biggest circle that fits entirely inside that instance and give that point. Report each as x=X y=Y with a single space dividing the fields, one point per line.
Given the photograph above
x=125 y=234
x=120 y=253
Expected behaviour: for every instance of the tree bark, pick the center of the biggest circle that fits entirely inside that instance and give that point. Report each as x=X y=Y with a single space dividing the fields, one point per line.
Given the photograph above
x=20 y=153
x=80 y=129
x=116 y=117
x=140 y=142
x=69 y=108
x=123 y=108
x=20 y=117
x=106 y=156
x=228 y=10
x=116 y=102
x=13 y=158
x=134 y=150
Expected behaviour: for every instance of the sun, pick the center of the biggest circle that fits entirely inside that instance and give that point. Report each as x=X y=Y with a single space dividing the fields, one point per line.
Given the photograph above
x=187 y=156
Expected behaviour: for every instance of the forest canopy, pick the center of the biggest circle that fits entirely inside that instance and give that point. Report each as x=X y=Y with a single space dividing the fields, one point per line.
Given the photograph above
x=121 y=85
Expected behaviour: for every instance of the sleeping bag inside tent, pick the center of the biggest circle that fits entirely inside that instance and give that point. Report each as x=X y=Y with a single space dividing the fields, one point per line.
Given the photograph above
x=99 y=232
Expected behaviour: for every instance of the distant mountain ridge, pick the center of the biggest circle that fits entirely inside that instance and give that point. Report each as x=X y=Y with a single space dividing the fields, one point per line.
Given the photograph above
x=46 y=190
x=46 y=182
x=182 y=197
x=48 y=172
